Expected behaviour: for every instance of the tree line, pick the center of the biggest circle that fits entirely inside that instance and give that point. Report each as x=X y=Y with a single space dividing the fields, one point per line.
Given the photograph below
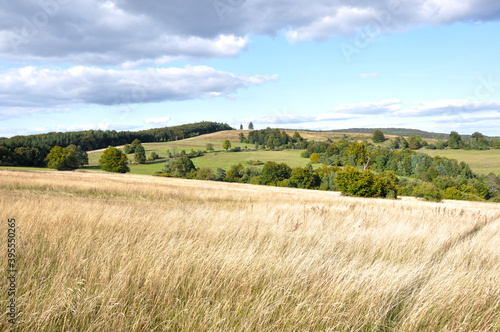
x=32 y=150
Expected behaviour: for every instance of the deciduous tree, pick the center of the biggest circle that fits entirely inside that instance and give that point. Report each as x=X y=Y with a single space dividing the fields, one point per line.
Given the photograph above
x=114 y=160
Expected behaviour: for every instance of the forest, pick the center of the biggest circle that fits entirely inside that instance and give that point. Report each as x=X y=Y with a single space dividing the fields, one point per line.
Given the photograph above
x=33 y=149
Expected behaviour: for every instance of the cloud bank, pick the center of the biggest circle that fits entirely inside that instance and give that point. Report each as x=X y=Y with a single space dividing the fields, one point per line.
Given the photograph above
x=130 y=33
x=44 y=88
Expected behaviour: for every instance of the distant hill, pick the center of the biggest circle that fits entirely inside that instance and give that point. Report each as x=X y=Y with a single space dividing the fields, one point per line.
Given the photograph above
x=394 y=131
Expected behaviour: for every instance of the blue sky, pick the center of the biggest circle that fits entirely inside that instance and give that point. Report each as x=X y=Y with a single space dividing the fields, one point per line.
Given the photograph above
x=125 y=65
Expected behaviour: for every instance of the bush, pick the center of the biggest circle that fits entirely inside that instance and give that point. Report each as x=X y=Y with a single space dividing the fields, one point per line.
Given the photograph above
x=314 y=158
x=305 y=154
x=235 y=173
x=205 y=173
x=304 y=177
x=255 y=162
x=236 y=149
x=220 y=174
x=153 y=156
x=452 y=193
x=182 y=167
x=353 y=182
x=113 y=160
x=428 y=191
x=272 y=172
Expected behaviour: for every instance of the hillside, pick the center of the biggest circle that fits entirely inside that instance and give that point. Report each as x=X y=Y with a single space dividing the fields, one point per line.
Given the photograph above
x=132 y=253
x=395 y=132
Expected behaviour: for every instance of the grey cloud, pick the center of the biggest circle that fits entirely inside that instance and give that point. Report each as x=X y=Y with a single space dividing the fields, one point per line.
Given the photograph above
x=117 y=32
x=51 y=88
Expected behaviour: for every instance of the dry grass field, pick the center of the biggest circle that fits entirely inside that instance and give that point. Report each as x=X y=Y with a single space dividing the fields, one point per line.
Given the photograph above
x=112 y=252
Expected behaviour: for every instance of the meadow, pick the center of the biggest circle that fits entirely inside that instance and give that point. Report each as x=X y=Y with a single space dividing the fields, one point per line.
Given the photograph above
x=124 y=252
x=480 y=161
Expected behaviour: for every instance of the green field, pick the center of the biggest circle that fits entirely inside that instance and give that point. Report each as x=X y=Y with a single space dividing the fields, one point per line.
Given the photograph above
x=480 y=161
x=212 y=160
x=226 y=160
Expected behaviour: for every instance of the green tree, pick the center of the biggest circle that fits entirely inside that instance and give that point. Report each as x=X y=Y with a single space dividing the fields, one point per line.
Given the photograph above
x=65 y=159
x=182 y=167
x=235 y=173
x=359 y=154
x=250 y=126
x=241 y=126
x=378 y=136
x=220 y=174
x=304 y=177
x=226 y=145
x=209 y=147
x=273 y=173
x=296 y=137
x=140 y=154
x=127 y=148
x=270 y=143
x=205 y=173
x=353 y=182
x=134 y=144
x=455 y=140
x=114 y=160
x=242 y=138
x=413 y=143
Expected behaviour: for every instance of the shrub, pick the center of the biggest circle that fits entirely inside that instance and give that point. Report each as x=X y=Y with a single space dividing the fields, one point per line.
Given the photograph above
x=153 y=156
x=255 y=162
x=305 y=154
x=220 y=174
x=314 y=158
x=452 y=193
x=272 y=173
x=182 y=167
x=351 y=181
x=205 y=173
x=235 y=173
x=304 y=177
x=428 y=191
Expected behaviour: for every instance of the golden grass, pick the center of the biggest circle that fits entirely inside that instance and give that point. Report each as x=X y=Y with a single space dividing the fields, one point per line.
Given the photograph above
x=112 y=252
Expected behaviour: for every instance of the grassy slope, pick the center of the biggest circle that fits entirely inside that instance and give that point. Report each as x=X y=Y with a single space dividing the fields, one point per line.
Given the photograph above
x=482 y=162
x=112 y=252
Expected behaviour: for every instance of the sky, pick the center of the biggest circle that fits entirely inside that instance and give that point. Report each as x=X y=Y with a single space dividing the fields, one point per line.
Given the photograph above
x=68 y=65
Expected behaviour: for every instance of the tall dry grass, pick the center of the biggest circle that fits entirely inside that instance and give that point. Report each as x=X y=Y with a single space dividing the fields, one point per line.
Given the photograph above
x=102 y=252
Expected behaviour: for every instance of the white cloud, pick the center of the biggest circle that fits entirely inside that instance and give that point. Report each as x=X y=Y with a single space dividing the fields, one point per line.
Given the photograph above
x=371 y=108
x=449 y=107
x=366 y=75
x=26 y=88
x=162 y=120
